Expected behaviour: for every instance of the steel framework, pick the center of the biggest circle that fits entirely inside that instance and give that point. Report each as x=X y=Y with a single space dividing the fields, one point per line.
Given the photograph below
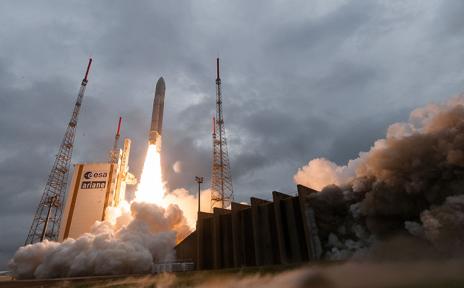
x=46 y=222
x=114 y=153
x=222 y=192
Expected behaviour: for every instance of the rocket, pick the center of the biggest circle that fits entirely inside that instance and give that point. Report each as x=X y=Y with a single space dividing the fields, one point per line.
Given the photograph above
x=154 y=137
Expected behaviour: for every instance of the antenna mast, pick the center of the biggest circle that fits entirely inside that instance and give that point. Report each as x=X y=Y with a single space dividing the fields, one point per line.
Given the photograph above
x=46 y=222
x=222 y=193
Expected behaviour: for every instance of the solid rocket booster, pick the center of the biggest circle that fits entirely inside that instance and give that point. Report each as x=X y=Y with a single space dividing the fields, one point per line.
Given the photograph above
x=154 y=136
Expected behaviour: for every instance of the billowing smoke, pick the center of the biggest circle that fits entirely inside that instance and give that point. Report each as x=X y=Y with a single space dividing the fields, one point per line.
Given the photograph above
x=411 y=181
x=142 y=235
x=321 y=172
x=131 y=240
x=188 y=203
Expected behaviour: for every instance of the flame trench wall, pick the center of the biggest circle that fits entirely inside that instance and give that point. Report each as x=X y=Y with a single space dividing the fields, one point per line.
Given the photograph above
x=281 y=231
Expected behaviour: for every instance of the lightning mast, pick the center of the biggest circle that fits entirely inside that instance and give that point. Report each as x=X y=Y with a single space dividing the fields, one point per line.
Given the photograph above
x=46 y=222
x=222 y=193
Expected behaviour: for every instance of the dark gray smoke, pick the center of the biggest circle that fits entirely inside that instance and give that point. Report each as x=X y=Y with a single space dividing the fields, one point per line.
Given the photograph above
x=410 y=182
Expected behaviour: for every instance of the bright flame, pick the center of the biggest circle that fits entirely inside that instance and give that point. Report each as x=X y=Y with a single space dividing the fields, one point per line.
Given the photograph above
x=151 y=188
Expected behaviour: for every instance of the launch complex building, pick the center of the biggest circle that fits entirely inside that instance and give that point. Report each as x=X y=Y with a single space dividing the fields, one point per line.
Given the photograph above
x=281 y=231
x=97 y=186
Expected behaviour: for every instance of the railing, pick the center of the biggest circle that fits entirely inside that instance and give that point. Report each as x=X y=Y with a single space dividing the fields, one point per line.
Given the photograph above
x=178 y=266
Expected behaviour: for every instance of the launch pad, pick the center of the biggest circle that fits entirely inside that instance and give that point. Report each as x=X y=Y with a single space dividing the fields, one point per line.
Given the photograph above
x=94 y=188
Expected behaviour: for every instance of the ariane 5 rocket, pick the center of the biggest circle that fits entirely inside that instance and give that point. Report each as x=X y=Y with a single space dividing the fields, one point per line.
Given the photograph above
x=154 y=136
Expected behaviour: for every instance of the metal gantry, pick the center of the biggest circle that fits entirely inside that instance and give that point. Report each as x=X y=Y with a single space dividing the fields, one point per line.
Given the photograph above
x=114 y=153
x=222 y=193
x=46 y=222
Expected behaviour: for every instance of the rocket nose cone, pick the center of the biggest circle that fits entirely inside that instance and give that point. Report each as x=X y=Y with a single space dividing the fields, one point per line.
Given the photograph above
x=160 y=85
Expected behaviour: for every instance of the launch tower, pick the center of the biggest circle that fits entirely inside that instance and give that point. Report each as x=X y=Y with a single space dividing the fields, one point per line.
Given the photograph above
x=114 y=153
x=46 y=222
x=222 y=193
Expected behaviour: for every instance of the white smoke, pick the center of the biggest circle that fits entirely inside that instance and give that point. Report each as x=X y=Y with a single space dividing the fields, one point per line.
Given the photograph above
x=131 y=244
x=188 y=203
x=132 y=238
x=321 y=172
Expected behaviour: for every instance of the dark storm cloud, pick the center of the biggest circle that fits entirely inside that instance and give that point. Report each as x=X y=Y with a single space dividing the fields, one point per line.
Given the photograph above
x=360 y=134
x=450 y=21
x=330 y=30
x=300 y=80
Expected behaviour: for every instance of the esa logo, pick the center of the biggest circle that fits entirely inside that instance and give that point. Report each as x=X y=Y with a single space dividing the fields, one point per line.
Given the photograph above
x=90 y=175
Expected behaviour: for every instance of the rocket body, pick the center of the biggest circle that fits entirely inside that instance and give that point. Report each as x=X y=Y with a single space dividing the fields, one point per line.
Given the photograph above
x=154 y=136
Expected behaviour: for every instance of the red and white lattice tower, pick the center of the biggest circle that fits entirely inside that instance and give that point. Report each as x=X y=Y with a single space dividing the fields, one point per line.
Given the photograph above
x=46 y=222
x=222 y=193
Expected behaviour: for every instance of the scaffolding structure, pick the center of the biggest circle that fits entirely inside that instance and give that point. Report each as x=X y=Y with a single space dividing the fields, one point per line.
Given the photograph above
x=46 y=222
x=114 y=153
x=222 y=193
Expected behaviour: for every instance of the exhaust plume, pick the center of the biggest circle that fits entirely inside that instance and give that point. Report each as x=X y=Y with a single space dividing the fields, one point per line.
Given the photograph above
x=133 y=237
x=149 y=237
x=412 y=180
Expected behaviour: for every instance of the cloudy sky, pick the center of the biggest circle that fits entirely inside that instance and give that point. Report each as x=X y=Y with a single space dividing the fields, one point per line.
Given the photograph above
x=301 y=79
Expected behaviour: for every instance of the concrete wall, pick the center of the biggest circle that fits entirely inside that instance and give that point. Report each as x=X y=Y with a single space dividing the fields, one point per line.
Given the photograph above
x=314 y=247
x=265 y=232
x=222 y=239
x=283 y=231
x=204 y=241
x=187 y=249
x=242 y=233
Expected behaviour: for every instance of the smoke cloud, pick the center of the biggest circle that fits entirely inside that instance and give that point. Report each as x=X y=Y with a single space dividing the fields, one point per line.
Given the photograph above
x=443 y=225
x=409 y=184
x=410 y=181
x=132 y=238
x=188 y=203
x=321 y=172
x=137 y=236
